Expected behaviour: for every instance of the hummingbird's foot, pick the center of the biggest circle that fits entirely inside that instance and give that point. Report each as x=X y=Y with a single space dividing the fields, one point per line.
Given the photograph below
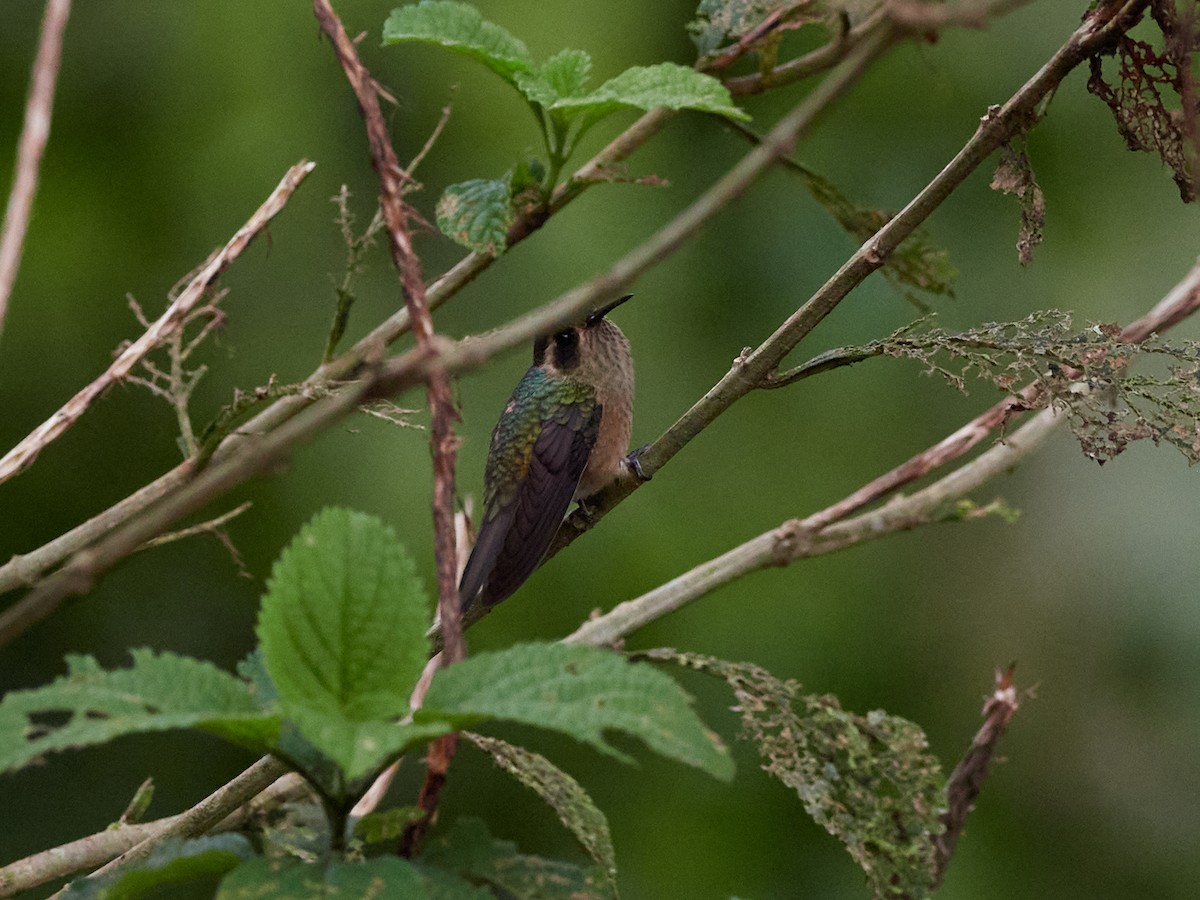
x=633 y=460
x=586 y=510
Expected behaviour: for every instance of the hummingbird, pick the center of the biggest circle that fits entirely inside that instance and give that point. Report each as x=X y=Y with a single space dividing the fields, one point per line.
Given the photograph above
x=563 y=435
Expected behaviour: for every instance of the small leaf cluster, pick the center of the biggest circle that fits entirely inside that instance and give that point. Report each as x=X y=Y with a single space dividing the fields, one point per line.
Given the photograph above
x=478 y=213
x=342 y=645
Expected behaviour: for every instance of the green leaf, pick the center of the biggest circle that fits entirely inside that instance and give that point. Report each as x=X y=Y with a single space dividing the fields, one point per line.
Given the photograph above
x=868 y=780
x=381 y=878
x=173 y=862
x=342 y=631
x=460 y=27
x=565 y=74
x=386 y=825
x=360 y=747
x=477 y=214
x=159 y=692
x=647 y=87
x=581 y=692
x=562 y=793
x=470 y=850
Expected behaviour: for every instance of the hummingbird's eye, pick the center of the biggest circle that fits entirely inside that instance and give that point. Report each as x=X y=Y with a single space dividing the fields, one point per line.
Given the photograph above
x=566 y=349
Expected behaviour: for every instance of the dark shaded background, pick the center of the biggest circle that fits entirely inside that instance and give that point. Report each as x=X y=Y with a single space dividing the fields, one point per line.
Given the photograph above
x=173 y=122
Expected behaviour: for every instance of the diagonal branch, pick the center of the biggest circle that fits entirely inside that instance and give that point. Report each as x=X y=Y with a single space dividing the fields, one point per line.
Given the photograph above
x=30 y=146
x=966 y=781
x=829 y=530
x=96 y=849
x=751 y=371
x=23 y=455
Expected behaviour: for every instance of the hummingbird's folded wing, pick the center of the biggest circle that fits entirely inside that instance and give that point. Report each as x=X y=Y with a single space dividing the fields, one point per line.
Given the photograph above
x=514 y=538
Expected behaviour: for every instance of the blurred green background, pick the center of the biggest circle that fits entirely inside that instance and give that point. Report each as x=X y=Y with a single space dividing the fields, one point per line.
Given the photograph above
x=174 y=121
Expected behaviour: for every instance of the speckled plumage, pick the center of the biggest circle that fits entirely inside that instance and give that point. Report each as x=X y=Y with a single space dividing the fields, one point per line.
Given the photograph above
x=563 y=434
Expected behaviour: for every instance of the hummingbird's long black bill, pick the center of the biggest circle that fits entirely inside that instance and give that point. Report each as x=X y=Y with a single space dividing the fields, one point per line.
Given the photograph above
x=605 y=310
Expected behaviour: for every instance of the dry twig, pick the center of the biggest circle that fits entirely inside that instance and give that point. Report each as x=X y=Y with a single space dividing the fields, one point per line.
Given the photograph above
x=966 y=781
x=23 y=455
x=30 y=146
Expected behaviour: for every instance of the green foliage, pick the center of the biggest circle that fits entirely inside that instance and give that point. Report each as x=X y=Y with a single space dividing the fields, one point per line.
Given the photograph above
x=471 y=852
x=342 y=620
x=868 y=780
x=172 y=862
x=342 y=632
x=462 y=28
x=581 y=692
x=477 y=213
x=159 y=691
x=386 y=825
x=562 y=793
x=382 y=878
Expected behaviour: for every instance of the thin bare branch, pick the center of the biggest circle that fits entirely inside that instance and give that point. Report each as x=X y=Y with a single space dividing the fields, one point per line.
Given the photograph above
x=207 y=814
x=23 y=455
x=966 y=781
x=30 y=146
x=96 y=849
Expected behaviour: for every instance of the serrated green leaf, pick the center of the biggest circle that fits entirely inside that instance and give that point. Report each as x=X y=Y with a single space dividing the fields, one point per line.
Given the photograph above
x=172 y=862
x=562 y=793
x=477 y=214
x=360 y=747
x=462 y=28
x=648 y=87
x=343 y=620
x=868 y=780
x=381 y=878
x=470 y=850
x=579 y=691
x=158 y=692
x=386 y=825
x=565 y=74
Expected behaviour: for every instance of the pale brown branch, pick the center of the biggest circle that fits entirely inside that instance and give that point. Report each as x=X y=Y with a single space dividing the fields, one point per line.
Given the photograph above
x=23 y=455
x=205 y=815
x=212 y=526
x=96 y=849
x=966 y=781
x=35 y=132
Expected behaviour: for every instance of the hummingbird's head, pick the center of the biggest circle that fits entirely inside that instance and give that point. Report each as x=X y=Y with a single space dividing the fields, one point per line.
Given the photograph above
x=588 y=351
